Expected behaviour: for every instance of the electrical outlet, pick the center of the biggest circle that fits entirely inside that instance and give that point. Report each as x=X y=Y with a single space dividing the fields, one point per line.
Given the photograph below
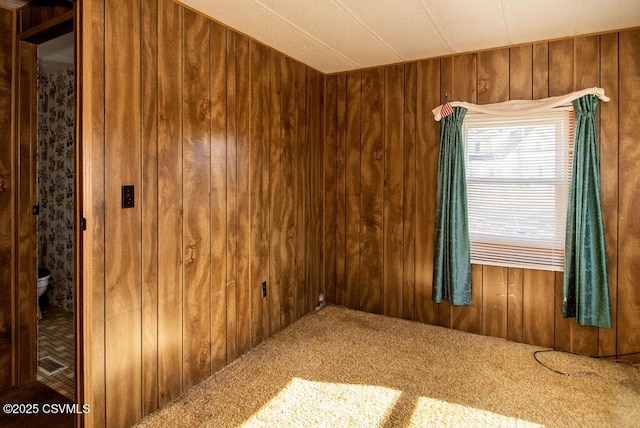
x=264 y=289
x=128 y=197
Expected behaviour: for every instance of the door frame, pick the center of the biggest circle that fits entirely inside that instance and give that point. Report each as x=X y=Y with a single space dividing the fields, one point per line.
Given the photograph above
x=25 y=84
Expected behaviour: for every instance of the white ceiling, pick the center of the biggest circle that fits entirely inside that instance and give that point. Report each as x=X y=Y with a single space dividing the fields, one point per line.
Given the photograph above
x=340 y=35
x=56 y=54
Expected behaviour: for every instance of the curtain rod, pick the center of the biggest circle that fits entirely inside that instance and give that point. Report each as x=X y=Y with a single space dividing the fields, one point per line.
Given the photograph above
x=521 y=107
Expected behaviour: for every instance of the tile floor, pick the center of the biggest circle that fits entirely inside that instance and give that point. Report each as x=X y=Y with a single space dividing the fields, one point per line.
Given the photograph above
x=56 y=339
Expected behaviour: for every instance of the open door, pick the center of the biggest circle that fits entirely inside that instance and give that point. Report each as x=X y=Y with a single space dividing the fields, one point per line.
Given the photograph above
x=26 y=259
x=7 y=203
x=22 y=203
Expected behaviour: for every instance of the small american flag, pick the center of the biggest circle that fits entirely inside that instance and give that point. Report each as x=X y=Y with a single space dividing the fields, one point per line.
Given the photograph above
x=446 y=109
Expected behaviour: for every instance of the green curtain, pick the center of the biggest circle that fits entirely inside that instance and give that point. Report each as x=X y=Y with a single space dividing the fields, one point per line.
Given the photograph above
x=452 y=262
x=585 y=289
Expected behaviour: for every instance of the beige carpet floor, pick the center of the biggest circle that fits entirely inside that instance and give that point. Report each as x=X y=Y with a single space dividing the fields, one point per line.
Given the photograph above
x=343 y=368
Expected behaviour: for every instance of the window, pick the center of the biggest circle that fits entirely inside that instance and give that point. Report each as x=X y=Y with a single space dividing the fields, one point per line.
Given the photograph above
x=518 y=172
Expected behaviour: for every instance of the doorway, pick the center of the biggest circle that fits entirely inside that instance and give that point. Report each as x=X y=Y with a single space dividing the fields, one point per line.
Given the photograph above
x=55 y=214
x=47 y=159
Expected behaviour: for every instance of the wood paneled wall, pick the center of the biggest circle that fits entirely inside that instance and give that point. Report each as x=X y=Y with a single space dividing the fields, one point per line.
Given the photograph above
x=7 y=285
x=32 y=15
x=381 y=154
x=222 y=139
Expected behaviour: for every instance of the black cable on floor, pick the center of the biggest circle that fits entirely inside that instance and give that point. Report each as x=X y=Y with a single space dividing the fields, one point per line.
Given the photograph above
x=535 y=355
x=612 y=356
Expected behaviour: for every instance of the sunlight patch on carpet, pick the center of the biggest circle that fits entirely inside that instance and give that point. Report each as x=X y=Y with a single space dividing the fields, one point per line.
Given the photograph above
x=432 y=412
x=309 y=403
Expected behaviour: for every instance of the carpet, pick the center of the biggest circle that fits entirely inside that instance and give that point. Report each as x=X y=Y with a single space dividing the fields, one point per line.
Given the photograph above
x=342 y=368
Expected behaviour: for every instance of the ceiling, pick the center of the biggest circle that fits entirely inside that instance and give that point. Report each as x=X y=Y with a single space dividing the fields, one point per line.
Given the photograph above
x=56 y=54
x=340 y=35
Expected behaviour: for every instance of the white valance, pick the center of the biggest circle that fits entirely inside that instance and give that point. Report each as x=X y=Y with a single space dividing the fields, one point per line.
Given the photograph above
x=523 y=107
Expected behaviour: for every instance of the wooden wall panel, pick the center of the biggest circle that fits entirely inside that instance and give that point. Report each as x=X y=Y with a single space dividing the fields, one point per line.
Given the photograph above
x=288 y=135
x=427 y=148
x=255 y=190
x=277 y=234
x=464 y=78
x=372 y=182
x=122 y=254
x=409 y=194
x=341 y=190
x=218 y=60
x=609 y=179
x=149 y=51
x=314 y=249
x=243 y=171
x=301 y=190
x=629 y=156
x=586 y=54
x=7 y=43
x=514 y=304
x=538 y=289
x=560 y=71
x=541 y=69
x=303 y=184
x=353 y=181
x=520 y=73
x=314 y=235
x=263 y=202
x=493 y=76
x=562 y=332
x=494 y=304
x=393 y=190
x=196 y=176
x=315 y=126
x=521 y=305
x=170 y=285
x=261 y=232
x=330 y=183
x=259 y=179
x=232 y=203
x=92 y=54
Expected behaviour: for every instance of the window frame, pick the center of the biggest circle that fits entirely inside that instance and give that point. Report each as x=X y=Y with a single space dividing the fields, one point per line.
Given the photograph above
x=494 y=249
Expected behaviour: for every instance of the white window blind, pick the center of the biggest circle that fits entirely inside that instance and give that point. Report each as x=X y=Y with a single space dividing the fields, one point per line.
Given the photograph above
x=518 y=171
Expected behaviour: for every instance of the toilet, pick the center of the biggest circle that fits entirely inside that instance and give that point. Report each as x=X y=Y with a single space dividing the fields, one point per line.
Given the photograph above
x=43 y=281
